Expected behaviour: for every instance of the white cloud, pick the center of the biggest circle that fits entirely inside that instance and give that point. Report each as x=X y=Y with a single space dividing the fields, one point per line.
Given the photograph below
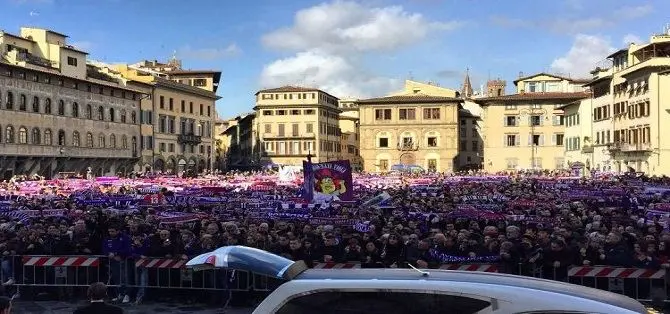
x=33 y=13
x=583 y=56
x=344 y=26
x=188 y=52
x=330 y=40
x=631 y=38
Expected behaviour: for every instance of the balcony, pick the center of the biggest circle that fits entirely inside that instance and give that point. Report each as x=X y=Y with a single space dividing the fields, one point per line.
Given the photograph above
x=636 y=147
x=587 y=149
x=404 y=147
x=189 y=139
x=31 y=59
x=616 y=146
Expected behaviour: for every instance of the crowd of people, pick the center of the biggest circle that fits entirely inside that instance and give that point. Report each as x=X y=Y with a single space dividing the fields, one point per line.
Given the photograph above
x=537 y=225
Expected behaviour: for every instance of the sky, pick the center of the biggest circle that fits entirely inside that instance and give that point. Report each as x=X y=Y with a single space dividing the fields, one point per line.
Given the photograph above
x=351 y=49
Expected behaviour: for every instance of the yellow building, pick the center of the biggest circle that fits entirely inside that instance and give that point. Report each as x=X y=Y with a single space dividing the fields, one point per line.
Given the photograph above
x=60 y=114
x=293 y=122
x=526 y=130
x=410 y=130
x=238 y=143
x=349 y=127
x=178 y=120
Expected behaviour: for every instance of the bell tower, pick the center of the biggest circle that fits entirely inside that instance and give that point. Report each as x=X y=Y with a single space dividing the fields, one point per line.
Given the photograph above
x=495 y=88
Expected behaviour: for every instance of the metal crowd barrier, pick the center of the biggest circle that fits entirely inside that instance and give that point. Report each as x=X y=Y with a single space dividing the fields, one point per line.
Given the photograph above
x=646 y=285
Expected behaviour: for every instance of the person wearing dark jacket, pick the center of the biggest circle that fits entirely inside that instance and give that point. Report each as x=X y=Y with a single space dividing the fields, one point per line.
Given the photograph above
x=557 y=260
x=117 y=247
x=139 y=250
x=616 y=251
x=97 y=293
x=419 y=255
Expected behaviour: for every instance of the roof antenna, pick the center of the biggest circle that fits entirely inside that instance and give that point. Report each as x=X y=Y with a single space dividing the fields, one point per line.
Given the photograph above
x=423 y=273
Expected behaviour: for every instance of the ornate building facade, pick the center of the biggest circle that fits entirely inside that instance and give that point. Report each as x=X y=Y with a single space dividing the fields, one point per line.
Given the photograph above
x=59 y=114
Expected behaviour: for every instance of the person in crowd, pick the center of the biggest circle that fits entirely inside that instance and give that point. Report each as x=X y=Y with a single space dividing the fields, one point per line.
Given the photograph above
x=97 y=292
x=117 y=248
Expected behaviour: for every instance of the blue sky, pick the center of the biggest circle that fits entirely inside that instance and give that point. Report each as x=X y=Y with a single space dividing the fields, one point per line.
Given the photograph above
x=349 y=48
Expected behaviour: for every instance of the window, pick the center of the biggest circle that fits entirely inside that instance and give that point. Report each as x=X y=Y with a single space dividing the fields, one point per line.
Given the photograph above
x=267 y=112
x=268 y=128
x=76 y=141
x=72 y=61
x=535 y=120
x=432 y=165
x=23 y=103
x=75 y=110
x=475 y=146
x=9 y=135
x=309 y=111
x=377 y=302
x=10 y=101
x=36 y=136
x=36 y=104
x=183 y=106
x=511 y=121
x=383 y=142
x=281 y=112
x=61 y=138
x=23 y=135
x=61 y=108
x=310 y=128
x=133 y=117
x=432 y=141
x=89 y=139
x=280 y=129
x=558 y=120
x=161 y=102
x=101 y=113
x=47 y=106
x=536 y=140
x=89 y=112
x=512 y=163
x=123 y=116
x=558 y=139
x=296 y=129
x=383 y=165
x=47 y=137
x=124 y=142
x=510 y=107
x=200 y=82
x=101 y=141
x=553 y=87
x=171 y=104
x=382 y=114
x=511 y=140
x=536 y=163
x=295 y=112
x=407 y=114
x=431 y=113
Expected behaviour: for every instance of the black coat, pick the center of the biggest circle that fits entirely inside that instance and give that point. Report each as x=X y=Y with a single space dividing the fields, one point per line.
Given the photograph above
x=99 y=308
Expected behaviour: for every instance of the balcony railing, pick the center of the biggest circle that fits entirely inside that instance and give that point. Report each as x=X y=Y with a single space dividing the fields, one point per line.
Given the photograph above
x=636 y=147
x=616 y=146
x=34 y=60
x=407 y=147
x=189 y=138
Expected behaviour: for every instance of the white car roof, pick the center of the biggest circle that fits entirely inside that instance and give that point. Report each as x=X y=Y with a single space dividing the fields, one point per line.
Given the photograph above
x=512 y=294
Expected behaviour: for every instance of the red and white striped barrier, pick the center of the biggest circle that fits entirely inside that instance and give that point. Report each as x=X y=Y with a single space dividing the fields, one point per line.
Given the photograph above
x=337 y=265
x=616 y=272
x=41 y=261
x=474 y=267
x=160 y=263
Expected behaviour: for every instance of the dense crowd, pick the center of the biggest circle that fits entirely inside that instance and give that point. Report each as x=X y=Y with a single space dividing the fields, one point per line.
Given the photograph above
x=531 y=225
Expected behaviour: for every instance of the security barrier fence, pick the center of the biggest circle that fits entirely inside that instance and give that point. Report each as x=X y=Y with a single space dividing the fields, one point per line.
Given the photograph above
x=645 y=285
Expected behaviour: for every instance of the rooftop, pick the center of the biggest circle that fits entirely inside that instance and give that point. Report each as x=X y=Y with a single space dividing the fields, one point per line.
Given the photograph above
x=576 y=80
x=408 y=99
x=535 y=96
x=289 y=89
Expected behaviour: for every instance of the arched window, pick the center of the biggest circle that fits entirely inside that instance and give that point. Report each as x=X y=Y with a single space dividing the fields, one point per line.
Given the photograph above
x=133 y=145
x=111 y=114
x=23 y=135
x=36 y=136
x=61 y=138
x=89 y=139
x=47 y=106
x=101 y=113
x=123 y=116
x=89 y=112
x=133 y=117
x=76 y=142
x=101 y=141
x=36 y=104
x=10 y=101
x=112 y=141
x=47 y=137
x=75 y=110
x=61 y=108
x=9 y=134
x=124 y=142
x=23 y=103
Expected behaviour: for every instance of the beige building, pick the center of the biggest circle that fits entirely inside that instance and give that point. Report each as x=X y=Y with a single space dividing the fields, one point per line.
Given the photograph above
x=526 y=130
x=349 y=127
x=60 y=114
x=239 y=144
x=414 y=129
x=293 y=122
x=178 y=119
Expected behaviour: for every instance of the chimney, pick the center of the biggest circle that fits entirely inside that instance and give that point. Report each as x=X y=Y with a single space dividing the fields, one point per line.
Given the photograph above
x=520 y=73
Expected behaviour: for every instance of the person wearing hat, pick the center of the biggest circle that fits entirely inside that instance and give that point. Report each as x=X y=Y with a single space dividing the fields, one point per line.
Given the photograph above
x=97 y=292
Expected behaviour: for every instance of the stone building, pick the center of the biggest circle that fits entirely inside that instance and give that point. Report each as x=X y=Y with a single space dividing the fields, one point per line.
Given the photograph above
x=59 y=114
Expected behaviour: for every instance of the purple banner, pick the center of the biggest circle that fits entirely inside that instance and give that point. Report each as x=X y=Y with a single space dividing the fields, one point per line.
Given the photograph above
x=330 y=181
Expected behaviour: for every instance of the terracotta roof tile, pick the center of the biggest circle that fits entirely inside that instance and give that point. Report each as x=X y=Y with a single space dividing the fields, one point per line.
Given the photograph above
x=535 y=96
x=408 y=99
x=289 y=89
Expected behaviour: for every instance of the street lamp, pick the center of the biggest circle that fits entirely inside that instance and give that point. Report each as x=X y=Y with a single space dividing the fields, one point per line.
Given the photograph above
x=531 y=113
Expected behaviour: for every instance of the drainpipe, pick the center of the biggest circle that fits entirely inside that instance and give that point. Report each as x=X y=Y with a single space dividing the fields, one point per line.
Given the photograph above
x=658 y=119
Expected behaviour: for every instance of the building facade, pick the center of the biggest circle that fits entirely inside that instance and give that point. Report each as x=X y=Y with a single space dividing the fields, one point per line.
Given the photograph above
x=409 y=130
x=240 y=144
x=60 y=114
x=177 y=120
x=350 y=130
x=526 y=130
x=293 y=122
